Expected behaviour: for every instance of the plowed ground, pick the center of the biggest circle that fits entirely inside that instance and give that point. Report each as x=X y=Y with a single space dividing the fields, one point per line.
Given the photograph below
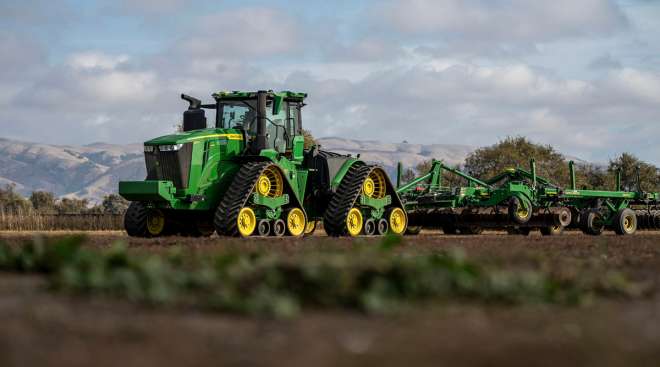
x=39 y=328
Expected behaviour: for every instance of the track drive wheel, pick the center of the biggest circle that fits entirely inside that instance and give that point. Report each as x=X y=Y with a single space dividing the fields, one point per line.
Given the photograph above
x=141 y=221
x=625 y=222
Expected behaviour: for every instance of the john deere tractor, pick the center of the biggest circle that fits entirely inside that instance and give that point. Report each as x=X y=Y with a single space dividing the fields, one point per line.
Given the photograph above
x=248 y=173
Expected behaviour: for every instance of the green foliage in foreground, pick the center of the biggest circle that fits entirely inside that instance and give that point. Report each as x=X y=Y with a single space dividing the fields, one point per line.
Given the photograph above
x=375 y=279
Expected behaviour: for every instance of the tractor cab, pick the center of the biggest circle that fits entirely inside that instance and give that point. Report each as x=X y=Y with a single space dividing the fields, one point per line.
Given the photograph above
x=271 y=121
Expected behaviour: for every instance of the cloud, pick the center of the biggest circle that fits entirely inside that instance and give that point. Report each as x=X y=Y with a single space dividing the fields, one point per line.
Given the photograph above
x=476 y=105
x=149 y=7
x=389 y=79
x=605 y=62
x=242 y=33
x=505 y=24
x=96 y=60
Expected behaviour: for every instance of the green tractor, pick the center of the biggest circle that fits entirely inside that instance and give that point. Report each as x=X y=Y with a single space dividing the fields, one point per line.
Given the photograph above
x=251 y=174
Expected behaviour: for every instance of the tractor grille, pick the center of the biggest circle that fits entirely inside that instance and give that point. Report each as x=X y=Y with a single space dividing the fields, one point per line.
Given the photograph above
x=170 y=166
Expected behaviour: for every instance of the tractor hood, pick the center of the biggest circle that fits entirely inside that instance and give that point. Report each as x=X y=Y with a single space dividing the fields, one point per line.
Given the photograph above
x=196 y=135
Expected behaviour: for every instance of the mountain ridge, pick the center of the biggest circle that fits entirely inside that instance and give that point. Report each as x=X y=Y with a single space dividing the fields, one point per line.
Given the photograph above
x=94 y=170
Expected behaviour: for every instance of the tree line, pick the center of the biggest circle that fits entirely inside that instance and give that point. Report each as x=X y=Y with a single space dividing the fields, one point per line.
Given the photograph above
x=483 y=163
x=46 y=203
x=513 y=152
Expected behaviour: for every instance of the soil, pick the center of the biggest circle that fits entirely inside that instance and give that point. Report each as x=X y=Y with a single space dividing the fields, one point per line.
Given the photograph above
x=42 y=328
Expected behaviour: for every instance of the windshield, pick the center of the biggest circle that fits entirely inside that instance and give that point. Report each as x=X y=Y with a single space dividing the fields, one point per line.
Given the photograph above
x=236 y=115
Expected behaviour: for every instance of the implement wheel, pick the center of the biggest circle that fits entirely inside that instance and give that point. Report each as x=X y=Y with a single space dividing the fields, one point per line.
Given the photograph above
x=625 y=222
x=413 y=231
x=522 y=231
x=310 y=228
x=592 y=222
x=520 y=210
x=449 y=229
x=552 y=230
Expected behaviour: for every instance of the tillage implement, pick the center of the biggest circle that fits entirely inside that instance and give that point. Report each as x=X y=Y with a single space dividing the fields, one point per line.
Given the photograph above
x=519 y=201
x=247 y=172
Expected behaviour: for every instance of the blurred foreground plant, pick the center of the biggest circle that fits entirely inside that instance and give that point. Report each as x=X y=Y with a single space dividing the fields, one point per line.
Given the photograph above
x=370 y=279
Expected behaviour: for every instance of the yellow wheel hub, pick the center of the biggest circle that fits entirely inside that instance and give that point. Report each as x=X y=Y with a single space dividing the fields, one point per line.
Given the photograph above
x=628 y=224
x=397 y=221
x=374 y=184
x=295 y=222
x=270 y=183
x=522 y=212
x=246 y=222
x=354 y=222
x=310 y=227
x=155 y=222
x=368 y=187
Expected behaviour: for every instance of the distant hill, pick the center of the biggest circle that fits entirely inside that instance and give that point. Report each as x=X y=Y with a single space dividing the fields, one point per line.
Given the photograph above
x=93 y=170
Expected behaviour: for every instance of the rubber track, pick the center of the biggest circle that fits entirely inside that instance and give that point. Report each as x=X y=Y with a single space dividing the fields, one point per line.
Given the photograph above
x=334 y=218
x=236 y=197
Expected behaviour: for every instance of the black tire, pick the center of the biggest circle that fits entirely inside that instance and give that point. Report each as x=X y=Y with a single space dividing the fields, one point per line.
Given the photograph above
x=552 y=230
x=565 y=217
x=516 y=212
x=413 y=231
x=522 y=231
x=382 y=226
x=136 y=221
x=656 y=219
x=591 y=222
x=278 y=228
x=471 y=230
x=625 y=222
x=369 y=228
x=575 y=218
x=263 y=227
x=449 y=230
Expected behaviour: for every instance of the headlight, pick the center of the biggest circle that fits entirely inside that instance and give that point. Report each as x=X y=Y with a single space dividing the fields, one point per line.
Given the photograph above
x=148 y=148
x=170 y=148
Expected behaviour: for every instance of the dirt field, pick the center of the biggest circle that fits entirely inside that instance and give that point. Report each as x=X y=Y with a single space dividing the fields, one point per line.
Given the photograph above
x=43 y=328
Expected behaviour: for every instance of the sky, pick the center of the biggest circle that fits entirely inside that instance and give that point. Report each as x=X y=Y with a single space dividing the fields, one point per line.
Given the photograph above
x=582 y=76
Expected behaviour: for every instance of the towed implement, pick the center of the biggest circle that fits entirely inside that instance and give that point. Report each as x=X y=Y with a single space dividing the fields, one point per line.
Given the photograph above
x=247 y=172
x=519 y=200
